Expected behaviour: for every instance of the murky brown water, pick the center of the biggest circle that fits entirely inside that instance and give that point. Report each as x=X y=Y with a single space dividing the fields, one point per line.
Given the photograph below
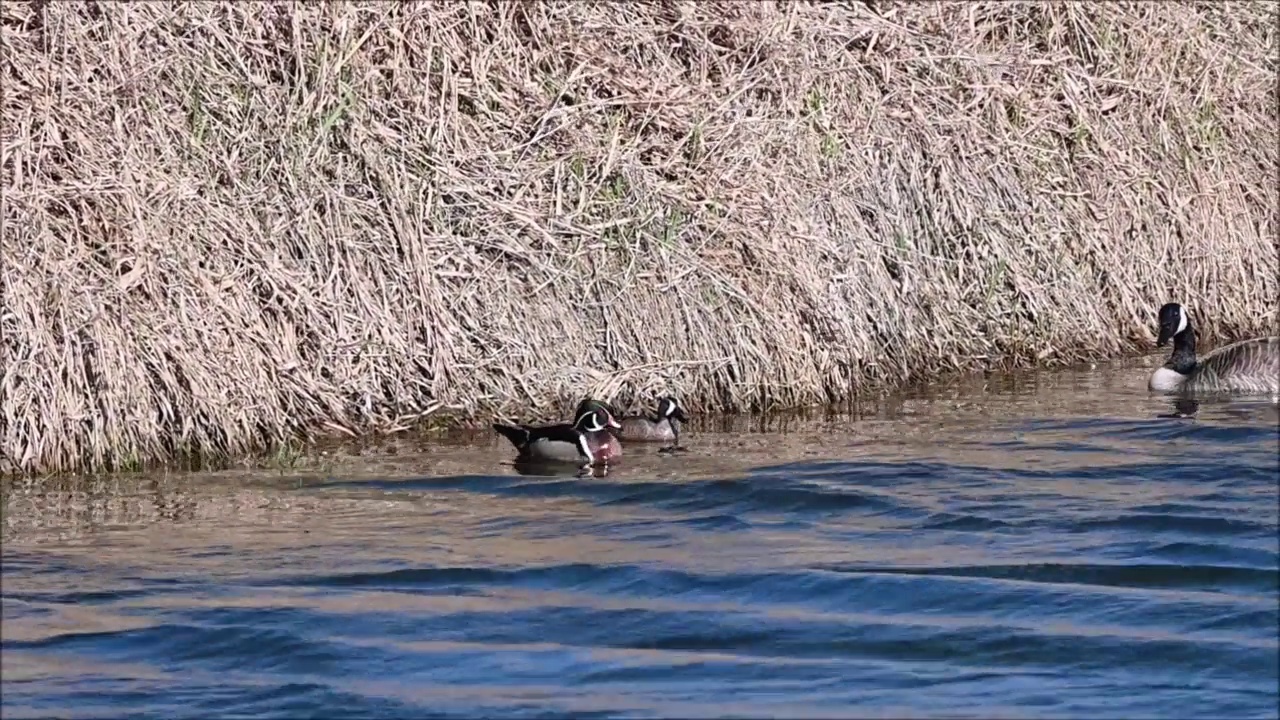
x=1043 y=545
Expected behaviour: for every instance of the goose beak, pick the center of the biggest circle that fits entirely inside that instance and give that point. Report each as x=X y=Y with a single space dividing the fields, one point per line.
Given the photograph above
x=1166 y=333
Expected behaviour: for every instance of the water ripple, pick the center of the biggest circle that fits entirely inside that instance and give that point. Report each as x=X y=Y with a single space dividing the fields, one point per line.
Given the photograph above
x=1033 y=559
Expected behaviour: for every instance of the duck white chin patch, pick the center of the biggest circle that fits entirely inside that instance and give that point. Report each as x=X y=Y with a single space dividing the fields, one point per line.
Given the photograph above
x=1182 y=320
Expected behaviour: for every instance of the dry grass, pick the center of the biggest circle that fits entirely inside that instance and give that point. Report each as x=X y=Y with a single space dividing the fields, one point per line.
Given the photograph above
x=226 y=224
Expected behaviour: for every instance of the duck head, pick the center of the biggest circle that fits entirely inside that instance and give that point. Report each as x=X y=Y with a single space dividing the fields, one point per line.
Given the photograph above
x=596 y=419
x=670 y=409
x=592 y=404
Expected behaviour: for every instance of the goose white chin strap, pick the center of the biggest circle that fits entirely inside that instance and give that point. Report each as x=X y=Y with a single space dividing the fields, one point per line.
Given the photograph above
x=1182 y=320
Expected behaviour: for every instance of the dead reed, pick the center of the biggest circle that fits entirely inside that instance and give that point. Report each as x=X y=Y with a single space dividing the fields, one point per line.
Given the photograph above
x=229 y=223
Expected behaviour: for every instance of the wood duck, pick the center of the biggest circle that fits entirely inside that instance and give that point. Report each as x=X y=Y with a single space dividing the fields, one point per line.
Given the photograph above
x=609 y=438
x=662 y=426
x=590 y=404
x=586 y=441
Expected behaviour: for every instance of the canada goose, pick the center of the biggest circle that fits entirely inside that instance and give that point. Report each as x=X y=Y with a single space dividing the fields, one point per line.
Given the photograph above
x=586 y=441
x=1248 y=366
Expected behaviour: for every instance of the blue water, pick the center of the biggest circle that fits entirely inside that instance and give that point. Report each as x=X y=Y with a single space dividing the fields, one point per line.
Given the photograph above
x=1040 y=547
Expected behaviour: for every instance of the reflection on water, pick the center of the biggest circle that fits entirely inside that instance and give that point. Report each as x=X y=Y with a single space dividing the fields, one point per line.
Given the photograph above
x=1055 y=545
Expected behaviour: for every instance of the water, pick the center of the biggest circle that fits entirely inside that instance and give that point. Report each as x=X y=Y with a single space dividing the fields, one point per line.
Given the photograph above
x=1044 y=546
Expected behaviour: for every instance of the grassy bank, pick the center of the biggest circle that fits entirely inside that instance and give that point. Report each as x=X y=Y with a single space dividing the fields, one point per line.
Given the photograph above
x=226 y=224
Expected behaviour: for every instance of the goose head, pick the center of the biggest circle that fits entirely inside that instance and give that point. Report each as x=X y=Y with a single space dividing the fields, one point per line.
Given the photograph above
x=1173 y=321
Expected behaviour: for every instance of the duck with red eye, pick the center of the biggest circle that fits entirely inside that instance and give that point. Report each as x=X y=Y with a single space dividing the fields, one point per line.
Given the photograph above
x=587 y=441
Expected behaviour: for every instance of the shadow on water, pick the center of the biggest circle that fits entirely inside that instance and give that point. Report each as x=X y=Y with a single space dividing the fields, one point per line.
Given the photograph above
x=1058 y=545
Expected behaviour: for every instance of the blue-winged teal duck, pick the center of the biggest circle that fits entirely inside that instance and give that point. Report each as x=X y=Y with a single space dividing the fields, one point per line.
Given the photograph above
x=662 y=426
x=586 y=441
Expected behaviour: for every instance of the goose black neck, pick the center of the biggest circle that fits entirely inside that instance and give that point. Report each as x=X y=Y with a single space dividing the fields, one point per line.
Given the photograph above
x=1183 y=359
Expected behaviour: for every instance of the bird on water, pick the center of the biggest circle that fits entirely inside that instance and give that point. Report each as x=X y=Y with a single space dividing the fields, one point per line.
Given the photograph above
x=1247 y=366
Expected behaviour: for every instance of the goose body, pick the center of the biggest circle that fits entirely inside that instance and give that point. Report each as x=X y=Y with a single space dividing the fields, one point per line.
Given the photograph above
x=586 y=441
x=1248 y=366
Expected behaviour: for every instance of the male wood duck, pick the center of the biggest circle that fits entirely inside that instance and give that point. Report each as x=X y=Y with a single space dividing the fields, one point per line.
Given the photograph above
x=608 y=440
x=662 y=426
x=586 y=441
x=590 y=404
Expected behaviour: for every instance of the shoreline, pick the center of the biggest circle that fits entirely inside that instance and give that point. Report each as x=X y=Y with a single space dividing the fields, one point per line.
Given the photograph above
x=227 y=225
x=321 y=451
